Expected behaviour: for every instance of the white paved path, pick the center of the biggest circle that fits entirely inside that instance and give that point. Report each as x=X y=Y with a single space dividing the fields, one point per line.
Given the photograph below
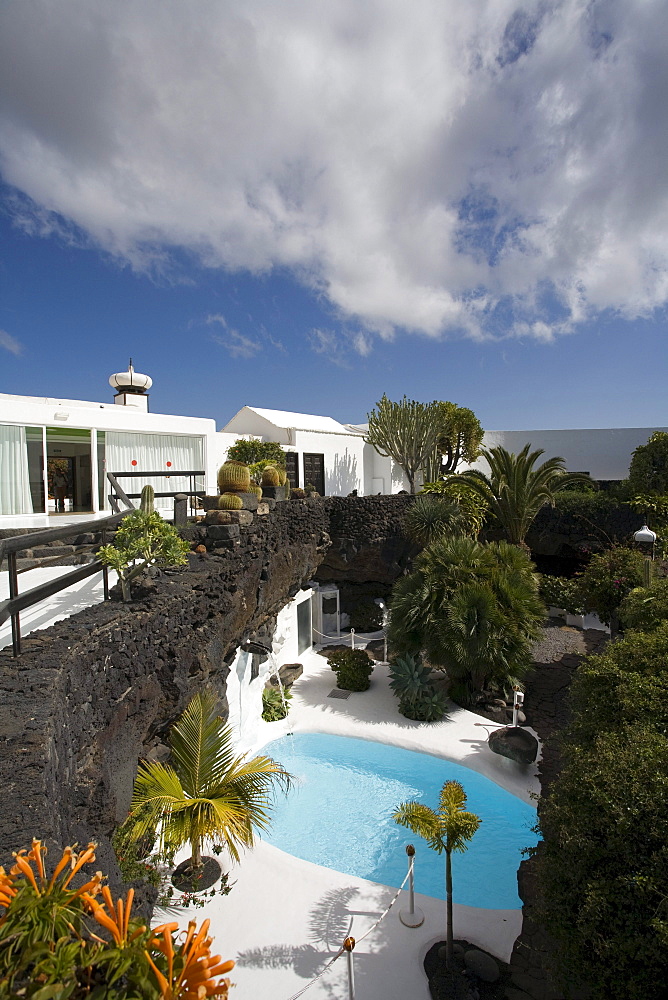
x=285 y=918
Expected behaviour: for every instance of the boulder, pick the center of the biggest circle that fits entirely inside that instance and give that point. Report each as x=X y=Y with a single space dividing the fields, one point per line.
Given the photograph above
x=273 y=492
x=514 y=743
x=288 y=673
x=482 y=965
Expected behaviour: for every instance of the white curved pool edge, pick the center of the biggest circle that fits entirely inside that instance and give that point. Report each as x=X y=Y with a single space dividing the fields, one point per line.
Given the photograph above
x=372 y=715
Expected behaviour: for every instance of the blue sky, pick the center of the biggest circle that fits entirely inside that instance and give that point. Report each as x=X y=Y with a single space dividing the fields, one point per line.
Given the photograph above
x=303 y=207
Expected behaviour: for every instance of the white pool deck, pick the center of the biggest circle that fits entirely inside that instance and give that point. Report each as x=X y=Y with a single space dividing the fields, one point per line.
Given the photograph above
x=285 y=918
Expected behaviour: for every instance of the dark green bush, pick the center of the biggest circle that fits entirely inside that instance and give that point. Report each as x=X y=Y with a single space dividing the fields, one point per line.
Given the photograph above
x=608 y=578
x=603 y=866
x=353 y=669
x=645 y=608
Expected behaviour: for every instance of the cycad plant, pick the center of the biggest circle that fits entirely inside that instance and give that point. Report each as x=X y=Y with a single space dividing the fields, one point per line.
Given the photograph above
x=206 y=790
x=446 y=830
x=516 y=489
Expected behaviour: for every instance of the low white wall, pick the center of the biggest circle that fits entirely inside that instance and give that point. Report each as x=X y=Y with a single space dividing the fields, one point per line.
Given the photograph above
x=605 y=453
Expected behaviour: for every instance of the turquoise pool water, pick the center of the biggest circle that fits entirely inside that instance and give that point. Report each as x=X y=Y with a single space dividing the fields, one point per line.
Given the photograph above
x=339 y=815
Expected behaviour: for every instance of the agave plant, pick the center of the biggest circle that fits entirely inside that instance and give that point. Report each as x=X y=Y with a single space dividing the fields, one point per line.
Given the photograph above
x=206 y=791
x=431 y=516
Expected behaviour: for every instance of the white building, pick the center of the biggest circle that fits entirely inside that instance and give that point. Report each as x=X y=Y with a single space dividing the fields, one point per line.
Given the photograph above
x=331 y=456
x=39 y=435
x=605 y=453
x=87 y=440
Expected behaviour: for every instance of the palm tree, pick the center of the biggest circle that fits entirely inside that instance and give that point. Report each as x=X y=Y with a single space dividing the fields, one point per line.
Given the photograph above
x=447 y=830
x=515 y=490
x=473 y=610
x=206 y=790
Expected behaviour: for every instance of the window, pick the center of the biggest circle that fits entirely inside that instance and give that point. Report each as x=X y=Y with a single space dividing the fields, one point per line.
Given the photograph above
x=314 y=472
x=292 y=468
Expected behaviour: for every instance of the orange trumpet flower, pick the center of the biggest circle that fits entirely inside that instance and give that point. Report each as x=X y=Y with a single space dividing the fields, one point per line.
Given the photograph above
x=197 y=971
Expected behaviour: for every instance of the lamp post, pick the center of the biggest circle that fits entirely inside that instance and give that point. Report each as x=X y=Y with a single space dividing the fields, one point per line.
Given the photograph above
x=383 y=607
x=646 y=537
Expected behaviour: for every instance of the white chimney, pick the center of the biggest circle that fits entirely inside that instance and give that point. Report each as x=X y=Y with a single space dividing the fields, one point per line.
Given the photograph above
x=131 y=388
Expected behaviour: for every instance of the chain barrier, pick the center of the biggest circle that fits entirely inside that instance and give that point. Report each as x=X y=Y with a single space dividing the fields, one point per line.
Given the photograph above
x=348 y=637
x=357 y=940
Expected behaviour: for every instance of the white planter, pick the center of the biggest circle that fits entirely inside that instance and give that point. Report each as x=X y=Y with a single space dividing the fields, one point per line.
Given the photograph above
x=576 y=621
x=556 y=612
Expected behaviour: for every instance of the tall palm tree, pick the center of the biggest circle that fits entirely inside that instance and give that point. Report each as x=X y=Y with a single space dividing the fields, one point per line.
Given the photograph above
x=206 y=790
x=446 y=830
x=515 y=490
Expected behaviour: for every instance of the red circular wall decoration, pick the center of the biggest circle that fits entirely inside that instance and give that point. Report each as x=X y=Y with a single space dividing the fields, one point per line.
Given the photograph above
x=169 y=465
x=133 y=462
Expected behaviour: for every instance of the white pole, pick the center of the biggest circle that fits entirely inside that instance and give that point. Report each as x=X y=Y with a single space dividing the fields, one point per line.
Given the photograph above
x=518 y=701
x=352 y=638
x=385 y=648
x=412 y=917
x=349 y=945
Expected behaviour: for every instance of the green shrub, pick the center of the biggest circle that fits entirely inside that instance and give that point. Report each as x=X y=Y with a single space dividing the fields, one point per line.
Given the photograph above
x=250 y=452
x=607 y=580
x=561 y=592
x=366 y=616
x=235 y=477
x=353 y=669
x=273 y=708
x=648 y=472
x=143 y=540
x=430 y=706
x=603 y=866
x=645 y=608
x=256 y=470
x=230 y=501
x=309 y=488
x=472 y=507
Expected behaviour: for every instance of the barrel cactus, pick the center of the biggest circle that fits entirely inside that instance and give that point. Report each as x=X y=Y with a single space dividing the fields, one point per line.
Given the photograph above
x=230 y=501
x=257 y=490
x=270 y=476
x=282 y=477
x=234 y=476
x=297 y=493
x=147 y=502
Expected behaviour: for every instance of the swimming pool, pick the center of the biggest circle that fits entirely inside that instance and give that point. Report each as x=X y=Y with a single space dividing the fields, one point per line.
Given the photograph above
x=339 y=815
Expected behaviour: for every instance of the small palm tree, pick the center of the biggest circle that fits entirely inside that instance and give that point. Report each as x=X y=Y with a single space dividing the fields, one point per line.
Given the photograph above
x=447 y=830
x=206 y=790
x=515 y=490
x=431 y=516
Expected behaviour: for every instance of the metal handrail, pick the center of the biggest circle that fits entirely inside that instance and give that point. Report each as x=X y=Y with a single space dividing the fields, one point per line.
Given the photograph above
x=16 y=603
x=127 y=497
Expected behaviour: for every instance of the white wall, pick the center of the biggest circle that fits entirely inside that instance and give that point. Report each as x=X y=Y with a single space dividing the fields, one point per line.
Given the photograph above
x=244 y=696
x=344 y=460
x=603 y=453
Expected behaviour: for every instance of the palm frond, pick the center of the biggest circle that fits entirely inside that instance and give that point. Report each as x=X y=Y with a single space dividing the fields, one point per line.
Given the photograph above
x=421 y=820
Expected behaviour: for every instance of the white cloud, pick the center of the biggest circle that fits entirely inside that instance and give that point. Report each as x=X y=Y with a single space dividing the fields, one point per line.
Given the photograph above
x=237 y=345
x=485 y=166
x=10 y=343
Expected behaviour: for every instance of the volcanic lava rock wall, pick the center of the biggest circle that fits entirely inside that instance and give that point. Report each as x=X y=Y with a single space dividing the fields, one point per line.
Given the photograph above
x=89 y=694
x=80 y=703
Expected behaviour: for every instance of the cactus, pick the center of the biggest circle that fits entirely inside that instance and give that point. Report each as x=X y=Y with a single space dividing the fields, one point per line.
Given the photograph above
x=297 y=493
x=147 y=502
x=257 y=490
x=309 y=488
x=270 y=476
x=230 y=501
x=233 y=476
x=282 y=477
